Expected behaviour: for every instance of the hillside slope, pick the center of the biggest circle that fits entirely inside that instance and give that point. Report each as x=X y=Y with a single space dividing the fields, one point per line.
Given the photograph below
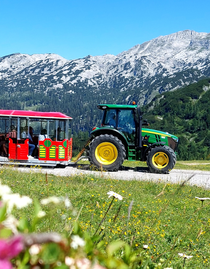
x=185 y=113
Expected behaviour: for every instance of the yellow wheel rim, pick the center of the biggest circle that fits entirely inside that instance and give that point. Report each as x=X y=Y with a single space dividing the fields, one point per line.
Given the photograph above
x=160 y=160
x=106 y=153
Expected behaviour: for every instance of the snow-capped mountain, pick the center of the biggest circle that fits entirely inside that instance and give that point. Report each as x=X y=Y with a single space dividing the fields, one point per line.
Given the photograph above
x=162 y=64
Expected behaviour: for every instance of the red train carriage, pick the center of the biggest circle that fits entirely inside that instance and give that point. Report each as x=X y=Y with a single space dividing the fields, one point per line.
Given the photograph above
x=35 y=138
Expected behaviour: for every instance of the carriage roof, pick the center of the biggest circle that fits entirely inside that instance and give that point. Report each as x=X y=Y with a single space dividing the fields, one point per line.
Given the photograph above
x=33 y=114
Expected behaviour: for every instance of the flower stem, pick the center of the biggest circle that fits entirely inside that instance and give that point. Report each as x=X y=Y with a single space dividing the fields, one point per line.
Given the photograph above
x=104 y=216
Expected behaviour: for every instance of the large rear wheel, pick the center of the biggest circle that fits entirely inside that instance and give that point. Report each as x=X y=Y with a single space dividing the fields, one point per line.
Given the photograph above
x=107 y=152
x=161 y=159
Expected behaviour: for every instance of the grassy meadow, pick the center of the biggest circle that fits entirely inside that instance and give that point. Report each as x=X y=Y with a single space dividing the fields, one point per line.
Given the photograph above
x=203 y=165
x=161 y=219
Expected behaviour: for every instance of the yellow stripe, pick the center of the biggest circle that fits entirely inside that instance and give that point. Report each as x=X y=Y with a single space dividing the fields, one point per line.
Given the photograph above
x=156 y=133
x=52 y=152
x=42 y=152
x=61 y=152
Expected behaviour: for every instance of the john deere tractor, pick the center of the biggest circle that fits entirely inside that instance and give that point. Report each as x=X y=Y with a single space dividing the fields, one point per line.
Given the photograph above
x=121 y=137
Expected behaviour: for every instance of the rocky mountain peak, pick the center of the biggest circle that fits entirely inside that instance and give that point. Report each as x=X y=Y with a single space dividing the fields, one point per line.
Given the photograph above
x=161 y=64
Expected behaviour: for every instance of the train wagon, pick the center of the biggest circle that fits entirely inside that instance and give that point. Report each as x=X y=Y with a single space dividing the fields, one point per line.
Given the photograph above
x=35 y=138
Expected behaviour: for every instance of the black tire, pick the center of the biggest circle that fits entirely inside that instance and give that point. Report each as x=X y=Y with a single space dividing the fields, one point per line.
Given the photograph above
x=107 y=152
x=161 y=159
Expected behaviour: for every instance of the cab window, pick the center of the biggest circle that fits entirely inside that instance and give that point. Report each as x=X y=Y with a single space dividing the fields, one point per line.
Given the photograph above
x=126 y=124
x=110 y=118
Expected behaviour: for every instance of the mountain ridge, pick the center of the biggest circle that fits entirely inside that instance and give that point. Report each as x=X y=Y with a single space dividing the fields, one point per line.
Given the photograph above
x=49 y=82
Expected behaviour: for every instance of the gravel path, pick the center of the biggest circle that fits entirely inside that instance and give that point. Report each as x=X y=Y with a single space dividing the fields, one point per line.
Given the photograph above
x=191 y=177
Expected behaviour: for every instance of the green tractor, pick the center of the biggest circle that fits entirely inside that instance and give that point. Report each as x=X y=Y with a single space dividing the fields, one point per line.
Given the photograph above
x=121 y=137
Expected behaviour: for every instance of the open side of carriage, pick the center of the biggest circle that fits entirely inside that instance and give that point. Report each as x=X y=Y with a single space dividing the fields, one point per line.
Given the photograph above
x=51 y=137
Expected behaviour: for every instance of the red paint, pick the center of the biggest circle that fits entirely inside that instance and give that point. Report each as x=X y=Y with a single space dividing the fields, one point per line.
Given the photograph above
x=70 y=148
x=18 y=149
x=22 y=149
x=12 y=149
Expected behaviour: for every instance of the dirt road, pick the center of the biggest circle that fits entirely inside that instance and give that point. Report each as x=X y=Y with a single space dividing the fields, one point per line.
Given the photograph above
x=192 y=177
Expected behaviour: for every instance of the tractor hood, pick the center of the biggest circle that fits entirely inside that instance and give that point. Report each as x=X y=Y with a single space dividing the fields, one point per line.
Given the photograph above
x=160 y=133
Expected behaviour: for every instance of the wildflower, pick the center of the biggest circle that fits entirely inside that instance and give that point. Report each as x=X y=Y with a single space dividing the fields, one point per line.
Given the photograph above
x=114 y=194
x=11 y=223
x=34 y=249
x=41 y=214
x=52 y=199
x=184 y=256
x=69 y=261
x=67 y=203
x=145 y=246
x=4 y=189
x=8 y=250
x=82 y=263
x=16 y=200
x=77 y=242
x=202 y=199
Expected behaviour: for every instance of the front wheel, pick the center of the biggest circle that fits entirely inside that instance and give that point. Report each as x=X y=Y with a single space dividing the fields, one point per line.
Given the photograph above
x=107 y=152
x=161 y=159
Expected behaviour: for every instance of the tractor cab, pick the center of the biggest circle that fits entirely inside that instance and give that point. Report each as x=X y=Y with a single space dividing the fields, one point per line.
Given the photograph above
x=121 y=118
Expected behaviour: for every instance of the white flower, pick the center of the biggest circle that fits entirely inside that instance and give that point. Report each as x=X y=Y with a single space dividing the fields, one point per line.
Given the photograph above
x=69 y=261
x=52 y=199
x=145 y=246
x=23 y=201
x=184 y=256
x=16 y=200
x=202 y=199
x=4 y=189
x=67 y=202
x=114 y=194
x=34 y=249
x=41 y=214
x=82 y=263
x=77 y=242
x=11 y=223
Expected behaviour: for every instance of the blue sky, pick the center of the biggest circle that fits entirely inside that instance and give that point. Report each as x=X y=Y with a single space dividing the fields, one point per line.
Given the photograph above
x=77 y=28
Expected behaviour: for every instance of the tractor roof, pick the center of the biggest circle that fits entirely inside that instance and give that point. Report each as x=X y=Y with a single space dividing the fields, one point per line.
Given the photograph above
x=115 y=106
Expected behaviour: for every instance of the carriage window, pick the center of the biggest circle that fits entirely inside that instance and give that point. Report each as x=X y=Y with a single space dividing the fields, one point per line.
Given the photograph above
x=4 y=126
x=23 y=128
x=61 y=131
x=52 y=130
x=13 y=128
x=43 y=127
x=57 y=130
x=36 y=125
x=39 y=128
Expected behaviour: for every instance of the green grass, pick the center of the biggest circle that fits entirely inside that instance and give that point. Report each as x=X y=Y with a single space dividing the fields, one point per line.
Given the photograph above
x=203 y=165
x=167 y=218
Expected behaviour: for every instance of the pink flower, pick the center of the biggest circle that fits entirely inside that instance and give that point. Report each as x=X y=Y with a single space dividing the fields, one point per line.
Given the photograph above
x=4 y=264
x=8 y=250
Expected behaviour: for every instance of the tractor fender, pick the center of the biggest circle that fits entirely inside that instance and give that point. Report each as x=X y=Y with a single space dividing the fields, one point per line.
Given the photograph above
x=150 y=147
x=110 y=131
